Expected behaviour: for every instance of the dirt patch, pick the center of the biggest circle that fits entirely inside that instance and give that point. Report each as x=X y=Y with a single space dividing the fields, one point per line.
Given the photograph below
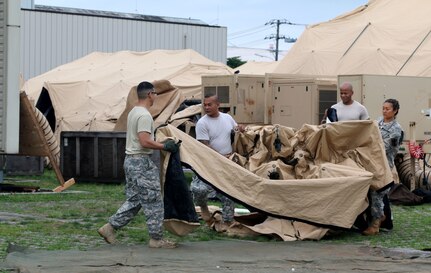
x=222 y=256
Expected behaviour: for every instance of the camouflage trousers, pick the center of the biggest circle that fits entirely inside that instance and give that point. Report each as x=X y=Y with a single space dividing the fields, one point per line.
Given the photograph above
x=377 y=205
x=202 y=191
x=142 y=190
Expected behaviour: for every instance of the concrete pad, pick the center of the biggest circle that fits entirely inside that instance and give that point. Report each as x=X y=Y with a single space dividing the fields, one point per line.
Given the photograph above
x=223 y=256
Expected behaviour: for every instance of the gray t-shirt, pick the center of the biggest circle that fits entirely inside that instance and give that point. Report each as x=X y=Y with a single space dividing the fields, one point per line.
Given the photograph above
x=354 y=111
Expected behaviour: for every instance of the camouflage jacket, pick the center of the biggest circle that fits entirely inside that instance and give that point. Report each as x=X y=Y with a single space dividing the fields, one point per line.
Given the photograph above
x=392 y=134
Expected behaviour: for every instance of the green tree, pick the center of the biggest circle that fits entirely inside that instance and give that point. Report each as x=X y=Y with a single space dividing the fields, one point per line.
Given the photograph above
x=234 y=62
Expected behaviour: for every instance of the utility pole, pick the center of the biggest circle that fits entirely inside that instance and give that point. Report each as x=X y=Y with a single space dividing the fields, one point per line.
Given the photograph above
x=277 y=36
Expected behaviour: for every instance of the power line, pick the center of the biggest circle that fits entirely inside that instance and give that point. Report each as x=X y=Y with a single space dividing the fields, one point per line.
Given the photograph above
x=284 y=21
x=247 y=34
x=232 y=44
x=247 y=30
x=259 y=41
x=251 y=32
x=277 y=36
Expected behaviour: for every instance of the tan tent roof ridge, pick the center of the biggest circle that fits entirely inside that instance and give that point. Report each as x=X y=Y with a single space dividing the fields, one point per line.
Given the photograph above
x=384 y=37
x=354 y=12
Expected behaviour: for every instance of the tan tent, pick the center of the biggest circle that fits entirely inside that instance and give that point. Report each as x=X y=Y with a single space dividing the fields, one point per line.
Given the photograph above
x=168 y=100
x=337 y=164
x=387 y=37
x=90 y=93
x=257 y=68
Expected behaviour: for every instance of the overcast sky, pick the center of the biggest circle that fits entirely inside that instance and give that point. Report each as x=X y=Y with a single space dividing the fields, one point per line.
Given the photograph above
x=245 y=20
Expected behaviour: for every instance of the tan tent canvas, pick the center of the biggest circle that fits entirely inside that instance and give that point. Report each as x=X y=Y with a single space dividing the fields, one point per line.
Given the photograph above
x=257 y=68
x=168 y=100
x=337 y=164
x=386 y=37
x=90 y=93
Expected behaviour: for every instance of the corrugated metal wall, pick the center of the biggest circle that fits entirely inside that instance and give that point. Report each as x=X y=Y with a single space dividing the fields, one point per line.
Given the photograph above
x=50 y=39
x=2 y=68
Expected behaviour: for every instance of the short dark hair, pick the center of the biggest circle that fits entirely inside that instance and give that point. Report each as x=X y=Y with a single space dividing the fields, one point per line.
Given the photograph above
x=395 y=105
x=143 y=89
x=210 y=96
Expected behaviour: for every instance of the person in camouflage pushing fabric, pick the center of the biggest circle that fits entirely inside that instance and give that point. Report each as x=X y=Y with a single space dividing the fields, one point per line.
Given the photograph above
x=392 y=135
x=143 y=189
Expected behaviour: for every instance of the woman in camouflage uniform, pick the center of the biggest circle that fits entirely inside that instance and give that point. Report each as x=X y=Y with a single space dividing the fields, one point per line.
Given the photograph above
x=391 y=132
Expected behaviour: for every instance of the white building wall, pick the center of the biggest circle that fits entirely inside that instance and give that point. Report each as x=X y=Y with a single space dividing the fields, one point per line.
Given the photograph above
x=3 y=39
x=9 y=76
x=50 y=39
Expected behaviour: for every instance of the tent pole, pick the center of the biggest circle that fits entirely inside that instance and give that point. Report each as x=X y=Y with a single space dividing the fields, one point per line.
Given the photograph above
x=414 y=51
x=360 y=34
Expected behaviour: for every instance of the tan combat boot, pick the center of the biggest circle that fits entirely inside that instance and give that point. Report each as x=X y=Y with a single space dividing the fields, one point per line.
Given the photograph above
x=162 y=243
x=221 y=226
x=374 y=228
x=206 y=216
x=108 y=233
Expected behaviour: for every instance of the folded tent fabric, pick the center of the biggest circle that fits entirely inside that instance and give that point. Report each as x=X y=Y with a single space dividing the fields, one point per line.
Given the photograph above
x=334 y=197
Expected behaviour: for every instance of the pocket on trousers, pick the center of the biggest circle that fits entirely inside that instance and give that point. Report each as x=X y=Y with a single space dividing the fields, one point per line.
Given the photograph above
x=152 y=195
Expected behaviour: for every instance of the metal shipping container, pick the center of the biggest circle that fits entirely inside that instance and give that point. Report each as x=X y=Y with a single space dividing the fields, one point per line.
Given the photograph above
x=241 y=96
x=293 y=102
x=92 y=156
x=289 y=100
x=23 y=165
x=95 y=156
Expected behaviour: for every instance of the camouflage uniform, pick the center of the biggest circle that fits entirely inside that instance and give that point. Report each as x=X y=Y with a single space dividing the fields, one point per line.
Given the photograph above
x=202 y=191
x=142 y=190
x=377 y=205
x=391 y=134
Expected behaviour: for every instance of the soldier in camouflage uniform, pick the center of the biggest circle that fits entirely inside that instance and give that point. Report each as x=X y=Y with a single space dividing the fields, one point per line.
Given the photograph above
x=214 y=130
x=202 y=191
x=143 y=189
x=392 y=135
x=391 y=130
